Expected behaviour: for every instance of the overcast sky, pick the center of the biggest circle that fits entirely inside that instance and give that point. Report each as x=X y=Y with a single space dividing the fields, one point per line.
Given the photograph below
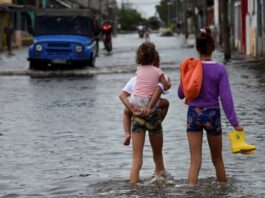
x=145 y=7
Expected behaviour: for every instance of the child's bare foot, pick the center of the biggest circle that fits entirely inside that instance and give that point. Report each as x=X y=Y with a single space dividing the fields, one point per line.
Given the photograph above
x=127 y=140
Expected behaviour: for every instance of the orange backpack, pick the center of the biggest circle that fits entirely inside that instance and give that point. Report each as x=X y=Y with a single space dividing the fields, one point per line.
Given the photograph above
x=191 y=78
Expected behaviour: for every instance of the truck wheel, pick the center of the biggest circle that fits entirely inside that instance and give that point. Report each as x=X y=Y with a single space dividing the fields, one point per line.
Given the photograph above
x=36 y=65
x=33 y=65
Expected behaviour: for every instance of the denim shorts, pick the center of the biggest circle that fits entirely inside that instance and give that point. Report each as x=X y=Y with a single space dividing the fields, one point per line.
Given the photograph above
x=209 y=119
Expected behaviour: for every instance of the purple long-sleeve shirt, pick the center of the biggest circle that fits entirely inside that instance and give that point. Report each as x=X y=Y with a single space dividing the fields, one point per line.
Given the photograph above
x=215 y=84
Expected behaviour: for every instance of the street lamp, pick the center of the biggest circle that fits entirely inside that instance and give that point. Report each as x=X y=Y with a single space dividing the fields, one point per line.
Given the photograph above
x=37 y=4
x=100 y=11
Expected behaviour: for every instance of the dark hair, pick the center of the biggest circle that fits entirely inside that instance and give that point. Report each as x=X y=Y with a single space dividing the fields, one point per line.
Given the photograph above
x=157 y=60
x=205 y=43
x=146 y=54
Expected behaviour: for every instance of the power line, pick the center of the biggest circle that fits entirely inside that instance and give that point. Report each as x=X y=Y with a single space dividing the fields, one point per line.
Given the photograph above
x=146 y=3
x=150 y=2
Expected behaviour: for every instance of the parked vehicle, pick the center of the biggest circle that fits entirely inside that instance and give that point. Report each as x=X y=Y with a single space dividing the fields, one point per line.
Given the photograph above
x=63 y=37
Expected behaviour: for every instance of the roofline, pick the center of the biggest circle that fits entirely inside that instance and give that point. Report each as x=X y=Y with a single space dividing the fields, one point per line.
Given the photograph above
x=10 y=5
x=64 y=12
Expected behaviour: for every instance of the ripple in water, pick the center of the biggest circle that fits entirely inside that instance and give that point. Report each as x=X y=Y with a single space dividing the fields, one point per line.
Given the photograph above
x=170 y=187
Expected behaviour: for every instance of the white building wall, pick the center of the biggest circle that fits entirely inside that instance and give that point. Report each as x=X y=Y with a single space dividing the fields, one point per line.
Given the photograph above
x=95 y=4
x=251 y=28
x=263 y=29
x=238 y=26
x=5 y=1
x=216 y=13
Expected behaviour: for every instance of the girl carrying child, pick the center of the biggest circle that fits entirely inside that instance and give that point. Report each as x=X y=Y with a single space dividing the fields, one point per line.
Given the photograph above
x=128 y=90
x=141 y=103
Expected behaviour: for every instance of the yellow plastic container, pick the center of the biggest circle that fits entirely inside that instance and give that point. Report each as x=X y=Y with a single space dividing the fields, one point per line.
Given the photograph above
x=238 y=143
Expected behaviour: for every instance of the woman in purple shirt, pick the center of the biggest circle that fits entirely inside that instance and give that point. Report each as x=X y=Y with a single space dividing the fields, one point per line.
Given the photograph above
x=204 y=111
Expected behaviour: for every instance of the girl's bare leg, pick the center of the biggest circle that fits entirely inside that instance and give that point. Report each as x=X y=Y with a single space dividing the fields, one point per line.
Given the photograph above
x=195 y=145
x=215 y=144
x=156 y=141
x=138 y=145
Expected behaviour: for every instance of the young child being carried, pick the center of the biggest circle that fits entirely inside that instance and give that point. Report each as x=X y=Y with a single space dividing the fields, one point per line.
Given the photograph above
x=128 y=90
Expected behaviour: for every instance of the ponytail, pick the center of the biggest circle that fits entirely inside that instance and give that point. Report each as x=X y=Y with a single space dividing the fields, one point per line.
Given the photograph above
x=205 y=43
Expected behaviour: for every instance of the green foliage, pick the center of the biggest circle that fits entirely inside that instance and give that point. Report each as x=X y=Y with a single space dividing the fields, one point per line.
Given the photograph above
x=154 y=23
x=162 y=10
x=129 y=18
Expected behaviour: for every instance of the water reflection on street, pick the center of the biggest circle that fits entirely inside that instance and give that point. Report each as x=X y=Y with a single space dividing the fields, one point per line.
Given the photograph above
x=62 y=136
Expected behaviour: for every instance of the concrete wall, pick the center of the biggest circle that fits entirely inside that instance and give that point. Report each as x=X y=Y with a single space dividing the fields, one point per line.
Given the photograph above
x=3 y=23
x=4 y=16
x=238 y=26
x=5 y=1
x=251 y=28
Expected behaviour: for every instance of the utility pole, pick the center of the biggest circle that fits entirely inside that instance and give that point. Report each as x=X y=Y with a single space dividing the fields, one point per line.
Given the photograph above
x=205 y=11
x=195 y=19
x=169 y=3
x=88 y=4
x=220 y=28
x=37 y=4
x=226 y=30
x=186 y=20
x=100 y=12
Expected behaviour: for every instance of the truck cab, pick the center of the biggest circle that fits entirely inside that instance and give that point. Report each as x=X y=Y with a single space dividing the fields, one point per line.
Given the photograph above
x=63 y=37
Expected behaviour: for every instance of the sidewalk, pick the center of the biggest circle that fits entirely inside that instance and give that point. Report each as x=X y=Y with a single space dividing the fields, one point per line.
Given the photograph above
x=18 y=61
x=190 y=42
x=235 y=55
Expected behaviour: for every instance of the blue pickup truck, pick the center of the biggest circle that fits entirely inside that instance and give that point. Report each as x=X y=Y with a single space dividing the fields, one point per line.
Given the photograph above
x=63 y=37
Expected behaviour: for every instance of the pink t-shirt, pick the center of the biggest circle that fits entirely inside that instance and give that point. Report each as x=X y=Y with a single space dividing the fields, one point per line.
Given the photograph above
x=147 y=79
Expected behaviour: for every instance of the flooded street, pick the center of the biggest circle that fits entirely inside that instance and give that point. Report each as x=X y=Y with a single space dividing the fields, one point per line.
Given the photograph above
x=62 y=136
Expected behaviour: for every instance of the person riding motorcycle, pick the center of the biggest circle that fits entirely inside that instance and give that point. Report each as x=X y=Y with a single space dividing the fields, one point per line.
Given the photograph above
x=141 y=30
x=106 y=35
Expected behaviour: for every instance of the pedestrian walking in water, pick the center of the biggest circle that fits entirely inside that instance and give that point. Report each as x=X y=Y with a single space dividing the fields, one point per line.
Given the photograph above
x=147 y=79
x=147 y=34
x=204 y=110
x=9 y=30
x=128 y=90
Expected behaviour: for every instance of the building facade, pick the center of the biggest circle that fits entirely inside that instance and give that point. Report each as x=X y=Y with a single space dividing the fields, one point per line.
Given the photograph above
x=260 y=29
x=4 y=18
x=247 y=25
x=22 y=13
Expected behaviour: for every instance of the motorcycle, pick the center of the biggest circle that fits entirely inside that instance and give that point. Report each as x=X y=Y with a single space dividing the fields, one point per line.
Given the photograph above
x=141 y=33
x=107 y=42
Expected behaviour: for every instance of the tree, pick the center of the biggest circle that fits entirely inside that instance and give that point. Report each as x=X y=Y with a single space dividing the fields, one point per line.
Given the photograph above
x=162 y=10
x=129 y=18
x=154 y=23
